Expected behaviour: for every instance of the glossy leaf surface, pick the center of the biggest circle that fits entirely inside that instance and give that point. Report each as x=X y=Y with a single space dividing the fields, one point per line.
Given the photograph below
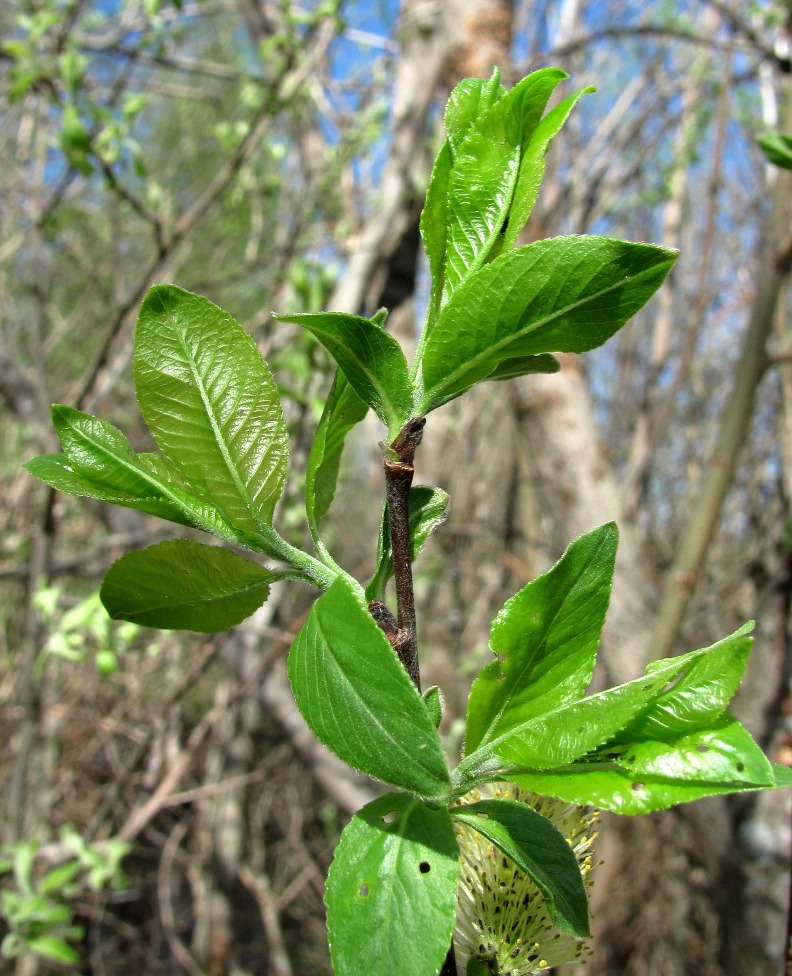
x=571 y=731
x=211 y=403
x=342 y=411
x=184 y=585
x=485 y=169
x=358 y=699
x=370 y=358
x=568 y=294
x=656 y=775
x=391 y=890
x=545 y=639
x=540 y=851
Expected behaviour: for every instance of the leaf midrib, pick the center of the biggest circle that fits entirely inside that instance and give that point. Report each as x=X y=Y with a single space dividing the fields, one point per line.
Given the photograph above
x=186 y=604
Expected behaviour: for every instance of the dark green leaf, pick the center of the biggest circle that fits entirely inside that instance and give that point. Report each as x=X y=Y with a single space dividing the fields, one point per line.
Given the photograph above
x=370 y=358
x=538 y=850
x=391 y=890
x=532 y=167
x=427 y=510
x=359 y=700
x=545 y=639
x=211 y=403
x=568 y=294
x=184 y=585
x=655 y=775
x=777 y=147
x=342 y=411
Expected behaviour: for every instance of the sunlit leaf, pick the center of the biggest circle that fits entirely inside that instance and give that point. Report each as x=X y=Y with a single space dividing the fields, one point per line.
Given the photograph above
x=391 y=890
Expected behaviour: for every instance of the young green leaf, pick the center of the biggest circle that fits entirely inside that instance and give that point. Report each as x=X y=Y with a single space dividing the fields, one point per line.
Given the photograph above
x=211 y=403
x=484 y=174
x=510 y=369
x=358 y=699
x=342 y=411
x=545 y=639
x=99 y=463
x=655 y=775
x=469 y=100
x=184 y=585
x=532 y=167
x=567 y=294
x=370 y=358
x=427 y=510
x=52 y=947
x=391 y=890
x=573 y=730
x=777 y=147
x=537 y=849
x=434 y=227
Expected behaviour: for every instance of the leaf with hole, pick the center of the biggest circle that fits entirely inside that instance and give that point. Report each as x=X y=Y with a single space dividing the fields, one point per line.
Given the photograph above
x=538 y=849
x=545 y=639
x=184 y=585
x=391 y=890
x=357 y=698
x=211 y=403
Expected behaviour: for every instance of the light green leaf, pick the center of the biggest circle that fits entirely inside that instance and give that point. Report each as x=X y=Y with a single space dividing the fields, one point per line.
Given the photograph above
x=428 y=507
x=58 y=877
x=510 y=369
x=370 y=358
x=391 y=890
x=211 y=403
x=539 y=850
x=532 y=167
x=484 y=174
x=545 y=639
x=572 y=731
x=777 y=147
x=434 y=227
x=656 y=775
x=469 y=100
x=342 y=411
x=567 y=294
x=51 y=947
x=184 y=585
x=357 y=698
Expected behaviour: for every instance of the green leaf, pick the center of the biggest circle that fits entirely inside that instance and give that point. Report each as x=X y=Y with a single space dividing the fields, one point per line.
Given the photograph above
x=434 y=227
x=510 y=369
x=435 y=704
x=471 y=98
x=545 y=639
x=342 y=411
x=777 y=147
x=428 y=508
x=567 y=294
x=211 y=403
x=572 y=731
x=51 y=947
x=539 y=850
x=58 y=877
x=370 y=358
x=358 y=699
x=391 y=890
x=484 y=174
x=656 y=775
x=184 y=585
x=532 y=167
